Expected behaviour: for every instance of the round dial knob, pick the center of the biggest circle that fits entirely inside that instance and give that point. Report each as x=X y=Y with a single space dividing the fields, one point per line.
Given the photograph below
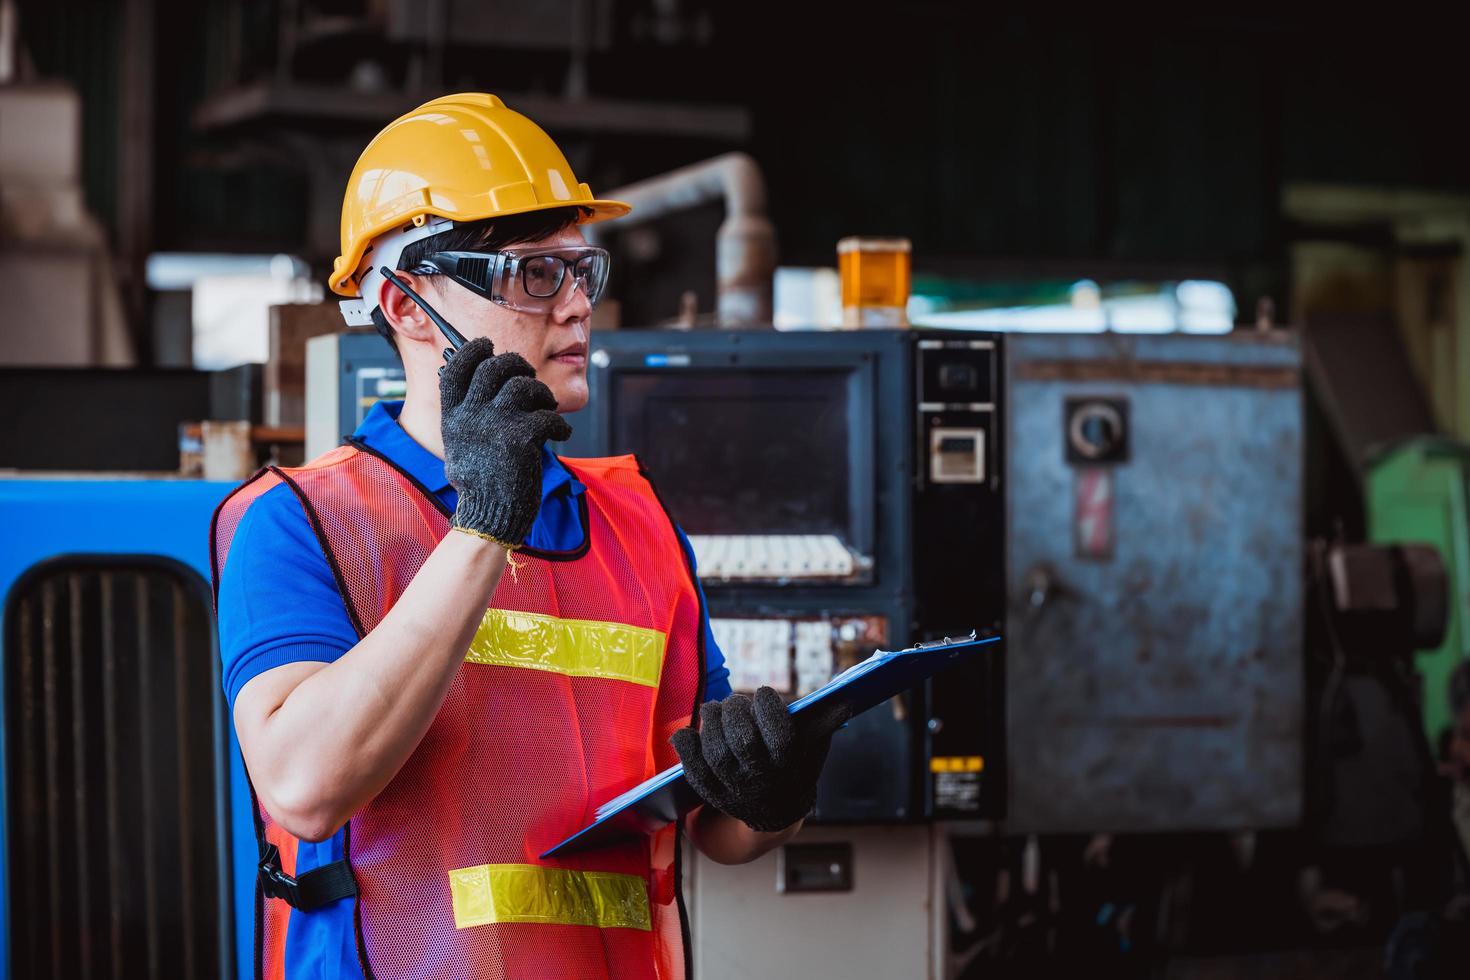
x=1096 y=430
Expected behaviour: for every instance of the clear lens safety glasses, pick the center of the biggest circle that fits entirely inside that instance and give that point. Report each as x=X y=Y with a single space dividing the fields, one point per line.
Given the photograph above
x=525 y=280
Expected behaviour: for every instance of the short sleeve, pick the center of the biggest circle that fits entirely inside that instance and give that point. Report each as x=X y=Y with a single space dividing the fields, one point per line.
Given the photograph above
x=716 y=674
x=278 y=599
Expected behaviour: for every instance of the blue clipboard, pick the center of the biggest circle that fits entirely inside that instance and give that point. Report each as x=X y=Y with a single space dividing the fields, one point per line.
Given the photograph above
x=660 y=800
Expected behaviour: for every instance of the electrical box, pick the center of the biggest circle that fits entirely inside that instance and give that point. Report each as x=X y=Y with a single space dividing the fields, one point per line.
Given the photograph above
x=835 y=902
x=1154 y=535
x=346 y=374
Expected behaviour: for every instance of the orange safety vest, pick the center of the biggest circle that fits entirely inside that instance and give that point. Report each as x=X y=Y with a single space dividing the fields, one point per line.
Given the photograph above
x=583 y=666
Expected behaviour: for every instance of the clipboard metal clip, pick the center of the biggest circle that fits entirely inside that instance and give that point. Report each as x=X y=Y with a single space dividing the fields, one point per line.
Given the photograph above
x=947 y=641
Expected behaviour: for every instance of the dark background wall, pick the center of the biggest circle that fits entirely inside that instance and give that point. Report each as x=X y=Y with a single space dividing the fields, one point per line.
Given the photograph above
x=999 y=142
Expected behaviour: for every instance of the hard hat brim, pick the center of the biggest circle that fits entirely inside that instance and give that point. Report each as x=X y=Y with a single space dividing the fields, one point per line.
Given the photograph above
x=341 y=279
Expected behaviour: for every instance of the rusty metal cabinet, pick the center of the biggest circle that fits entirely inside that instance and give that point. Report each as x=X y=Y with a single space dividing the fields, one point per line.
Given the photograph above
x=1154 y=555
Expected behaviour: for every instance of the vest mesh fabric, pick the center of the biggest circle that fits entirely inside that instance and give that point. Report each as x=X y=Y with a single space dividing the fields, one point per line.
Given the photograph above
x=518 y=758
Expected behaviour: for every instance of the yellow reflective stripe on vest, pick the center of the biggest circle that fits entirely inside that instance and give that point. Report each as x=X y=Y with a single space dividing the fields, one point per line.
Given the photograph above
x=530 y=893
x=576 y=647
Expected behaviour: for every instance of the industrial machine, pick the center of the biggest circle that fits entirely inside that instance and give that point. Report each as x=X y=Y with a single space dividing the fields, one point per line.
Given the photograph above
x=127 y=838
x=346 y=373
x=1417 y=492
x=1373 y=780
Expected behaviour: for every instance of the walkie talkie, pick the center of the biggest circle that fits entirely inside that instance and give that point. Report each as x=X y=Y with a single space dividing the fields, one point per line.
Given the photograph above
x=455 y=338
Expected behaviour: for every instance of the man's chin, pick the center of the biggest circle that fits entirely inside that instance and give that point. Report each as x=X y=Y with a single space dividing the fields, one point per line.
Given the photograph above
x=571 y=395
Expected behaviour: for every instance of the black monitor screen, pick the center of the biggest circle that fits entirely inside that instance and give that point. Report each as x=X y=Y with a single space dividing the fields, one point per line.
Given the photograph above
x=742 y=452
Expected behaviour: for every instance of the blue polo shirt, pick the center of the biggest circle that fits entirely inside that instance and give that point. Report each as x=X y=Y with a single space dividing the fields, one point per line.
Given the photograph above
x=279 y=604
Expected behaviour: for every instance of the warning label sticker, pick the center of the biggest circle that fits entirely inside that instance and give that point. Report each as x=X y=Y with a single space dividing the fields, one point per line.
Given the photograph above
x=1093 y=513
x=957 y=791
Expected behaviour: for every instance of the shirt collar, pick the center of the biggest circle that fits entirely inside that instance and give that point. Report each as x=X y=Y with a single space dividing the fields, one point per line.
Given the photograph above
x=380 y=430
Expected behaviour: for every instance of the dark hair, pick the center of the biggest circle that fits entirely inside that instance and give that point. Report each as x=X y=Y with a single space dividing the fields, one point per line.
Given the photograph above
x=488 y=235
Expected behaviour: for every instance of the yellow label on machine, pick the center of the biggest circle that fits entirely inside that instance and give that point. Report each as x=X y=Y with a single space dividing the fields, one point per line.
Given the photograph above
x=957 y=763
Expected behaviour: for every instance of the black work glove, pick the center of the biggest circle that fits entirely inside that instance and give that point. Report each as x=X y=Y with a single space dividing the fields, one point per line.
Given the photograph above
x=495 y=417
x=752 y=760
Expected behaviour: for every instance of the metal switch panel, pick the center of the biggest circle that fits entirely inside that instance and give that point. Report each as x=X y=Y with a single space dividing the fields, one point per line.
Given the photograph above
x=1097 y=430
x=956 y=455
x=814 y=868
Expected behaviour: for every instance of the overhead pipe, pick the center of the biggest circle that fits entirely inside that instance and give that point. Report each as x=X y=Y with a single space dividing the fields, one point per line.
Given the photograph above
x=745 y=246
x=9 y=43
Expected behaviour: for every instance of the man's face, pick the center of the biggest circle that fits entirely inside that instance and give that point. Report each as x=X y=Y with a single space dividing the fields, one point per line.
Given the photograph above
x=554 y=342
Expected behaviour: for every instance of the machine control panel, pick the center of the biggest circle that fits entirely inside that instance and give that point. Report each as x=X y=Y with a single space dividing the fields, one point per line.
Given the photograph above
x=957 y=389
x=956 y=454
x=766 y=557
x=794 y=656
x=957 y=372
x=959 y=523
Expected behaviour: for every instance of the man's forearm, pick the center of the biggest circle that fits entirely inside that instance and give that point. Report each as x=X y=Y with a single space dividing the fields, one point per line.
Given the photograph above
x=725 y=840
x=322 y=740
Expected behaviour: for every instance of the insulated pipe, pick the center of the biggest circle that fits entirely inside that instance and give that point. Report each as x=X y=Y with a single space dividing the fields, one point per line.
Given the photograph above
x=9 y=44
x=745 y=246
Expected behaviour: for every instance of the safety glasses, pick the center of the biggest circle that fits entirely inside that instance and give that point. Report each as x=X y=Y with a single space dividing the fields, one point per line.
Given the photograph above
x=525 y=280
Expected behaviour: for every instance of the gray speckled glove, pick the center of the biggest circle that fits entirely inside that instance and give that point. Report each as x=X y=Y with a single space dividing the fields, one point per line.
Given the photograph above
x=752 y=760
x=495 y=418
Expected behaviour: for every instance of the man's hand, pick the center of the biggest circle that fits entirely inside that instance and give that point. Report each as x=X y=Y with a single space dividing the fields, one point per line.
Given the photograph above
x=751 y=760
x=496 y=417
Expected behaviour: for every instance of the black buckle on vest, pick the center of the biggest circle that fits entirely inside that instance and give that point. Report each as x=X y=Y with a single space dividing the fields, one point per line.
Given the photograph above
x=318 y=887
x=274 y=881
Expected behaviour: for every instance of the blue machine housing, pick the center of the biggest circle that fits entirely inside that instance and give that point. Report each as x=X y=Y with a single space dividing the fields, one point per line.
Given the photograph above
x=151 y=519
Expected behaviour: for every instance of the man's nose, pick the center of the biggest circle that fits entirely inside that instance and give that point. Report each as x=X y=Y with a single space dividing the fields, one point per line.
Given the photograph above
x=573 y=303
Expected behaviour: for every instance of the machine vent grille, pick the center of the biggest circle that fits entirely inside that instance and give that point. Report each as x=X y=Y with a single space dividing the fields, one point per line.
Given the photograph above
x=115 y=773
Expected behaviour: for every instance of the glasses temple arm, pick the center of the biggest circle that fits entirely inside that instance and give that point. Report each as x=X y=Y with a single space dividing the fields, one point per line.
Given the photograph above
x=455 y=338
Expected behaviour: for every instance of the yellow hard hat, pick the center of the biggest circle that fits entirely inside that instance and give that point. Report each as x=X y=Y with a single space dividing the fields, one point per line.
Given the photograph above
x=462 y=157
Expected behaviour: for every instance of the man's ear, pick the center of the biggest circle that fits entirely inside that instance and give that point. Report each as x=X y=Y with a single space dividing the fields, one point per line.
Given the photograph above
x=404 y=316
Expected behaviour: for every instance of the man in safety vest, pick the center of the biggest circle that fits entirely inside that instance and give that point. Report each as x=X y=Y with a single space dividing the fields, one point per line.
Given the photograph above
x=445 y=646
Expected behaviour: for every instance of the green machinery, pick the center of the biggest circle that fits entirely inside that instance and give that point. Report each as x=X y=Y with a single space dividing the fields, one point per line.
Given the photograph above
x=1417 y=492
